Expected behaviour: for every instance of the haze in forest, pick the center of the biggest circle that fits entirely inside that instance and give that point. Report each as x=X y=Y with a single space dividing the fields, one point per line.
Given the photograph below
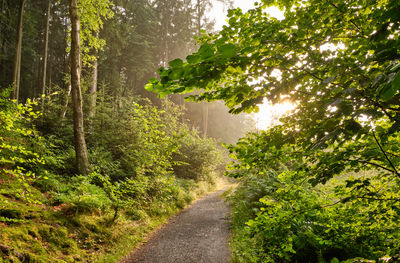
x=115 y=115
x=269 y=113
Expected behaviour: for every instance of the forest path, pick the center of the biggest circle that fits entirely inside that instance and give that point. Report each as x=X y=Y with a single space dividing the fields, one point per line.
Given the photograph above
x=199 y=234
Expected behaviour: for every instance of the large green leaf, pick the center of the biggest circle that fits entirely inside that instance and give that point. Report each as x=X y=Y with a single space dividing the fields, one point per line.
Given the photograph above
x=176 y=63
x=227 y=50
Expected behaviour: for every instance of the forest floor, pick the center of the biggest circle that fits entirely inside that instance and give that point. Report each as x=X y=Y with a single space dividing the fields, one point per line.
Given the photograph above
x=200 y=234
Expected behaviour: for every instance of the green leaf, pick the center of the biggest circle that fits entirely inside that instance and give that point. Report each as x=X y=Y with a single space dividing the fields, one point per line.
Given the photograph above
x=396 y=82
x=176 y=63
x=176 y=74
x=193 y=59
x=149 y=87
x=387 y=92
x=227 y=50
x=206 y=51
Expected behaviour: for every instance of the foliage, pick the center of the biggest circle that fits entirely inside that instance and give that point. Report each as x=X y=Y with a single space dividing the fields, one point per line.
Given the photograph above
x=81 y=195
x=47 y=212
x=132 y=186
x=92 y=15
x=208 y=157
x=239 y=65
x=20 y=145
x=339 y=64
x=279 y=217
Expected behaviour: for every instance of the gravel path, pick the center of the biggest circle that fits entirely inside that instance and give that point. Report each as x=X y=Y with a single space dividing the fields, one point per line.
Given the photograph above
x=199 y=234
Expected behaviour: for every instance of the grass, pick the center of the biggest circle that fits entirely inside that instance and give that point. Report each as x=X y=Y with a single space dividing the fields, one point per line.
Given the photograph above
x=41 y=232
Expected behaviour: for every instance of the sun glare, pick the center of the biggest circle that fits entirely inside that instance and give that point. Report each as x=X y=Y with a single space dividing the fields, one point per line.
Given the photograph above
x=221 y=20
x=270 y=114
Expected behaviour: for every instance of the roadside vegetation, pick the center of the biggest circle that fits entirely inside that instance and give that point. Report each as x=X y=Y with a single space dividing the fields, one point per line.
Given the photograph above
x=142 y=172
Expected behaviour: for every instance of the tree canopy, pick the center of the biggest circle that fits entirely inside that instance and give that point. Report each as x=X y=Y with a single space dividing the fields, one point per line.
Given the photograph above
x=337 y=61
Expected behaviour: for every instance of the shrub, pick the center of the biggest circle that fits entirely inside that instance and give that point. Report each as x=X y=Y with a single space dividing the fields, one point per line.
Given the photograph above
x=280 y=217
x=22 y=150
x=197 y=158
x=82 y=195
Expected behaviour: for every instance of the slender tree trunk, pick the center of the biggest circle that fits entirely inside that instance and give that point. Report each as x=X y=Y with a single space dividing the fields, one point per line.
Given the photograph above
x=93 y=95
x=51 y=56
x=46 y=45
x=49 y=86
x=205 y=123
x=93 y=91
x=204 y=105
x=79 y=134
x=17 y=57
x=66 y=101
x=18 y=80
x=2 y=61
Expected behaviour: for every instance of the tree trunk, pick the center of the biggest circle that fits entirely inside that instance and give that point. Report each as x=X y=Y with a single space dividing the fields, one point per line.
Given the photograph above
x=66 y=101
x=17 y=56
x=79 y=135
x=205 y=119
x=93 y=96
x=204 y=105
x=3 y=64
x=46 y=44
x=93 y=92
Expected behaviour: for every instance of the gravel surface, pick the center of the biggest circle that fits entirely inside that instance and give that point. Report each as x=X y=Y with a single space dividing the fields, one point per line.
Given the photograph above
x=199 y=234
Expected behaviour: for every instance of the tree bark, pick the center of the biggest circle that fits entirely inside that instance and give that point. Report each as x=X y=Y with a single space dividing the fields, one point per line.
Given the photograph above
x=79 y=134
x=46 y=45
x=93 y=91
x=64 y=113
x=17 y=56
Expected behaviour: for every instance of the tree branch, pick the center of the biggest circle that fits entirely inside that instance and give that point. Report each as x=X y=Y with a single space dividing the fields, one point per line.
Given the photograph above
x=384 y=153
x=377 y=165
x=351 y=20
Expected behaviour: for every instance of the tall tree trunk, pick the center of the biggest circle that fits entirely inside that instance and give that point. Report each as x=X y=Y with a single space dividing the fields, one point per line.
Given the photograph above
x=46 y=45
x=93 y=93
x=18 y=80
x=17 y=56
x=79 y=134
x=93 y=90
x=3 y=64
x=204 y=105
x=3 y=43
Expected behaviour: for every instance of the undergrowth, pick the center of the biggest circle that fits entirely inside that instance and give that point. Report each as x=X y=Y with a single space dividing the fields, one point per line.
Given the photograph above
x=143 y=171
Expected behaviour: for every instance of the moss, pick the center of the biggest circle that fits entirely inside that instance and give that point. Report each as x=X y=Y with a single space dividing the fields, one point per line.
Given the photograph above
x=58 y=237
x=11 y=213
x=32 y=258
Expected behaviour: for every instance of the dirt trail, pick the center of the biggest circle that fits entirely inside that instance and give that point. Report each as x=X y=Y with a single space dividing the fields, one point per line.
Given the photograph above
x=199 y=234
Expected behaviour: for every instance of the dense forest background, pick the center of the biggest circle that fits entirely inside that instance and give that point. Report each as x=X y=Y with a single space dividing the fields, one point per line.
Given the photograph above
x=137 y=158
x=121 y=55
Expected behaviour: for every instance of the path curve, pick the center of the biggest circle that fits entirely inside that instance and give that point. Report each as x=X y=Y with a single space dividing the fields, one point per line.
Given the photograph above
x=199 y=234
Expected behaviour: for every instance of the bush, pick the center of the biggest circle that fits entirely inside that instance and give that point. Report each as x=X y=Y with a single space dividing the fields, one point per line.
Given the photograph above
x=22 y=150
x=197 y=158
x=280 y=217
